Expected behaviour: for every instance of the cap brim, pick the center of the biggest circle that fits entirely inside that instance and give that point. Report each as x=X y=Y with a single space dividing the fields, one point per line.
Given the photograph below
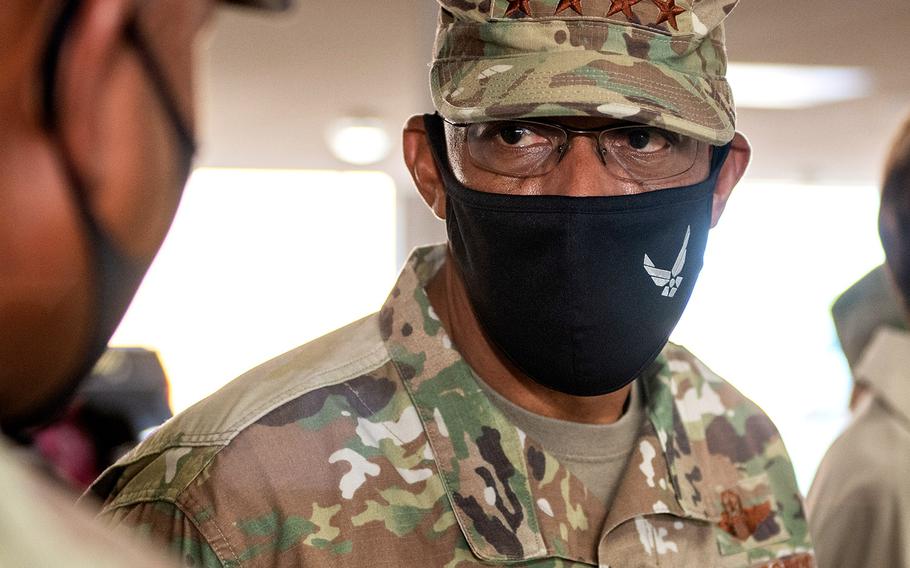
x=582 y=83
x=275 y=5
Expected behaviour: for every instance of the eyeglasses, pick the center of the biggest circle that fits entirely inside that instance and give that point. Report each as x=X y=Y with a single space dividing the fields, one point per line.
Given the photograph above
x=524 y=148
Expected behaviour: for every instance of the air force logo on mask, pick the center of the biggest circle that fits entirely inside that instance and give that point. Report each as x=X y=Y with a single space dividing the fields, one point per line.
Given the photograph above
x=669 y=279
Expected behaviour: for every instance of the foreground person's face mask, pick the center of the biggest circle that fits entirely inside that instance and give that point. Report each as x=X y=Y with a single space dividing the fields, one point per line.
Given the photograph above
x=580 y=293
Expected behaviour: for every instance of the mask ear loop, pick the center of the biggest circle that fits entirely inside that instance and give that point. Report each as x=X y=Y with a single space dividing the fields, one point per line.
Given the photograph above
x=160 y=84
x=50 y=67
x=50 y=62
x=437 y=138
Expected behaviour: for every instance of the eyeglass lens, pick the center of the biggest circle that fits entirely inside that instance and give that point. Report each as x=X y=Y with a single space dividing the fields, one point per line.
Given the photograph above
x=526 y=149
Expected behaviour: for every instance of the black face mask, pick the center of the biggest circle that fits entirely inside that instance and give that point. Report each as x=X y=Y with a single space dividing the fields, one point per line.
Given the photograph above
x=116 y=276
x=580 y=293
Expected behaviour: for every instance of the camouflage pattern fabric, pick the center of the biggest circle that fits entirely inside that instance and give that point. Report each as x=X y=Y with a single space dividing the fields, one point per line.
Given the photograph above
x=374 y=446
x=658 y=62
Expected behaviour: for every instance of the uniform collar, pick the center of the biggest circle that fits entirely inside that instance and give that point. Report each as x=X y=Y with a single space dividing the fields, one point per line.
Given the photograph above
x=885 y=367
x=512 y=500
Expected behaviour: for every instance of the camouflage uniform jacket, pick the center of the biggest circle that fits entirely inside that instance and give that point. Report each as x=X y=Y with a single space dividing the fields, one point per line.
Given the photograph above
x=374 y=446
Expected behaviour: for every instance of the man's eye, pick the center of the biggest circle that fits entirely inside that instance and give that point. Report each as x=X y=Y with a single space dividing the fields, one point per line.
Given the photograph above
x=647 y=140
x=517 y=135
x=639 y=139
x=512 y=135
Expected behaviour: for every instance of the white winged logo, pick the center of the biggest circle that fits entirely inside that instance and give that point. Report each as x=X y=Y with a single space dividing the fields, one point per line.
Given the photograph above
x=669 y=279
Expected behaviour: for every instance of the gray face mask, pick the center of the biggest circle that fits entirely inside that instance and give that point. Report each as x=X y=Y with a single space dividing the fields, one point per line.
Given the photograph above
x=580 y=293
x=116 y=276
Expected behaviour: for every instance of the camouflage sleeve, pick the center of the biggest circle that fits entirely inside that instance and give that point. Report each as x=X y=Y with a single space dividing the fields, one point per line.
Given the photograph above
x=164 y=523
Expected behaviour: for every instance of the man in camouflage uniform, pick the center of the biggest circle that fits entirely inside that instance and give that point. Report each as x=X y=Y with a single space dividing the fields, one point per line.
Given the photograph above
x=96 y=107
x=450 y=429
x=859 y=499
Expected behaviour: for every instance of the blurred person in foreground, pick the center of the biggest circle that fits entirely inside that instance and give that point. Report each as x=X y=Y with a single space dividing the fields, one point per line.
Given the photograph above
x=859 y=503
x=96 y=103
x=515 y=400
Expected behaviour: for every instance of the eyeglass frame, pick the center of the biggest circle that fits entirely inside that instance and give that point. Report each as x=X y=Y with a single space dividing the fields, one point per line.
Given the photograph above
x=570 y=133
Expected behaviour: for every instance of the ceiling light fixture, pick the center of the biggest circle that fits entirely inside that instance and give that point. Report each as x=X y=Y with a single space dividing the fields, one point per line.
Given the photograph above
x=770 y=86
x=359 y=141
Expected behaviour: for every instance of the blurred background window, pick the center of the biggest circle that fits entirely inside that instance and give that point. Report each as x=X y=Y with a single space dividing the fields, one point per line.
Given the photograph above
x=259 y=262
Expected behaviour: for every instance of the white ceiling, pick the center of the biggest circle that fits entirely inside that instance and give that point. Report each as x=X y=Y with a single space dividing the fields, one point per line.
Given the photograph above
x=272 y=85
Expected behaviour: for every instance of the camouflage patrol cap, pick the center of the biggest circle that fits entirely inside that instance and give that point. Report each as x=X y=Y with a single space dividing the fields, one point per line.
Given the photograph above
x=658 y=62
